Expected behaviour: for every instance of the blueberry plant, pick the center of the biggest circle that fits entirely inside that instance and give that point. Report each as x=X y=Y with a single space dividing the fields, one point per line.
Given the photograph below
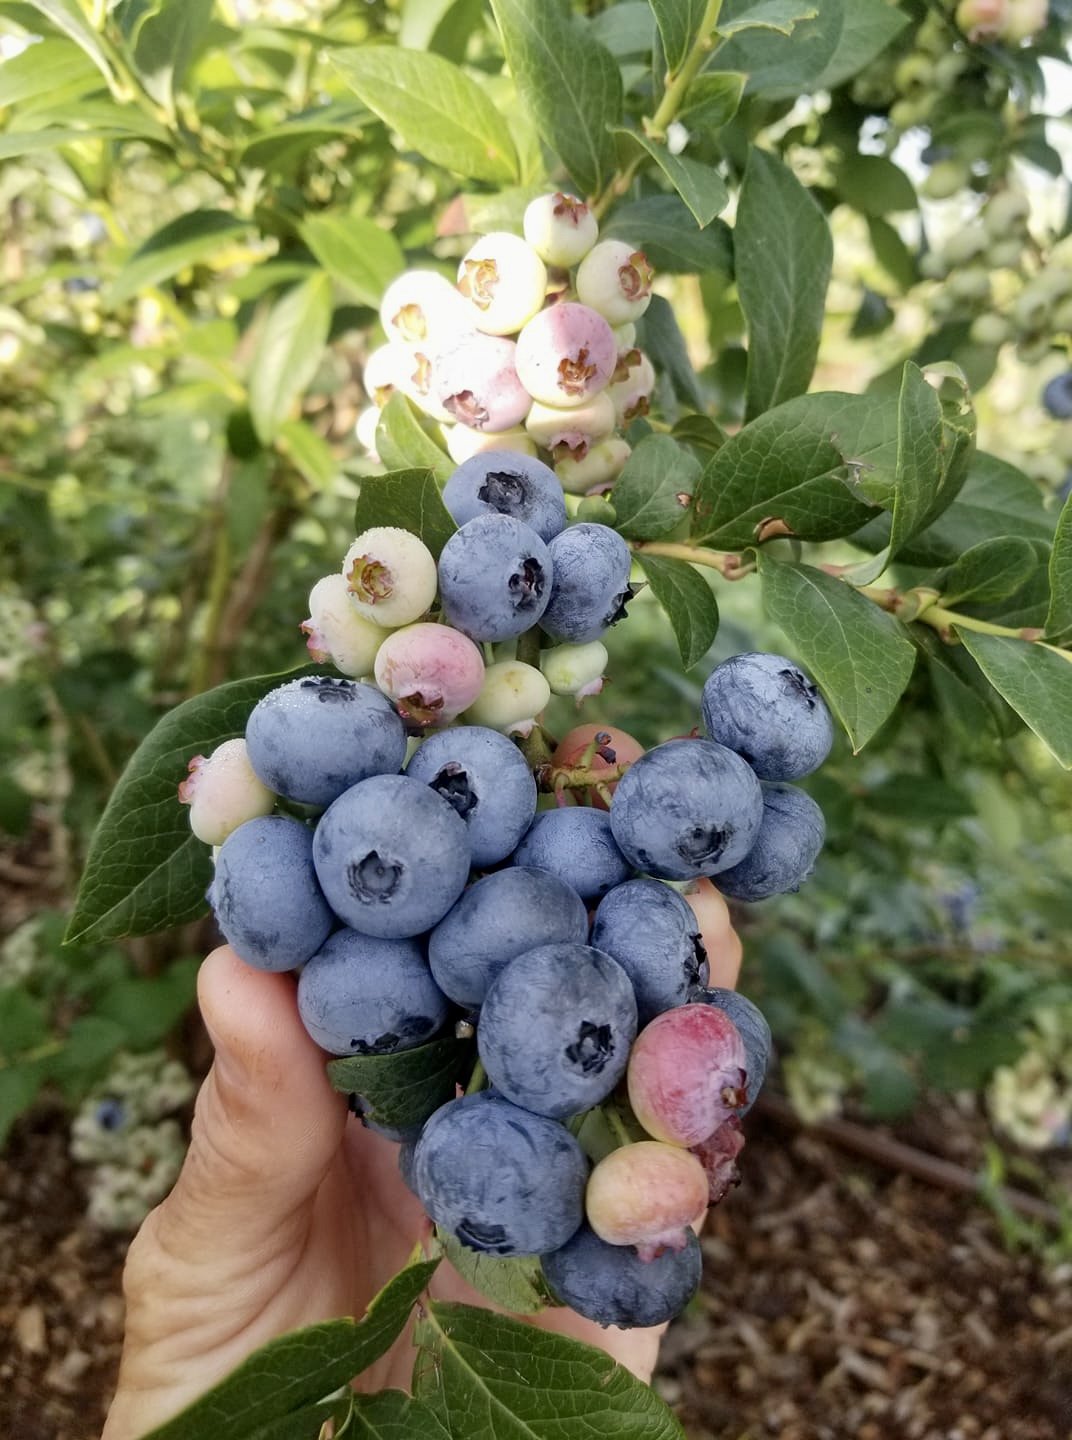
x=507 y=220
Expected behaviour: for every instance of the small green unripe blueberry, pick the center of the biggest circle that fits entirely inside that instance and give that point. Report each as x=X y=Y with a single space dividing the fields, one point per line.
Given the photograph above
x=949 y=68
x=391 y=575
x=597 y=510
x=947 y=178
x=1062 y=318
x=913 y=72
x=906 y=112
x=576 y=429
x=1034 y=350
x=1032 y=309
x=971 y=285
x=600 y=466
x=965 y=245
x=625 y=336
x=1006 y=214
x=512 y=696
x=933 y=266
x=990 y=330
x=575 y=669
x=1005 y=255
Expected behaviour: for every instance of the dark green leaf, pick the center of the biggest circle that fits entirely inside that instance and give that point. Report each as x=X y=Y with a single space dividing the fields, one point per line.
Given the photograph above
x=1035 y=680
x=663 y=228
x=991 y=570
x=867 y=30
x=660 y=336
x=874 y=185
x=487 y=1376
x=701 y=432
x=402 y=442
x=147 y=1008
x=24 y=1022
x=291 y=1373
x=19 y=1087
x=515 y=1283
x=779 y=66
x=570 y=84
x=700 y=186
x=922 y=800
x=391 y=1415
x=679 y=24
x=712 y=100
x=892 y=253
x=288 y=353
x=689 y=603
x=145 y=870
x=165 y=42
x=437 y=109
x=780 y=15
x=1059 y=618
x=969 y=705
x=408 y=498
x=403 y=1089
x=789 y=471
x=651 y=495
x=43 y=69
x=360 y=255
x=860 y=656
x=186 y=241
x=783 y=255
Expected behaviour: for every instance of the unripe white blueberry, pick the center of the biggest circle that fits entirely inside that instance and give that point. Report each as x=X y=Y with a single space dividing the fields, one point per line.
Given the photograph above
x=1005 y=255
x=575 y=669
x=560 y=228
x=932 y=265
x=503 y=281
x=949 y=68
x=965 y=245
x=625 y=336
x=1023 y=20
x=981 y=19
x=1062 y=318
x=385 y=371
x=365 y=430
x=1006 y=214
x=337 y=631
x=971 y=285
x=573 y=430
x=391 y=575
x=905 y=113
x=631 y=388
x=420 y=382
x=421 y=306
x=947 y=177
x=600 y=466
x=566 y=354
x=463 y=443
x=990 y=329
x=431 y=672
x=223 y=792
x=615 y=279
x=1031 y=310
x=512 y=697
x=477 y=383
x=914 y=71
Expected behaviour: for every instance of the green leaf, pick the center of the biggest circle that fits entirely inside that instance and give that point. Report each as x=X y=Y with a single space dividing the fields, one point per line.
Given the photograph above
x=165 y=42
x=659 y=334
x=783 y=255
x=789 y=471
x=19 y=1088
x=43 y=69
x=780 y=15
x=67 y=17
x=405 y=1088
x=679 y=24
x=357 y=253
x=918 y=799
x=185 y=241
x=568 y=81
x=14 y=143
x=663 y=228
x=515 y=1283
x=408 y=498
x=443 y=26
x=651 y=495
x=147 y=1008
x=860 y=655
x=701 y=187
x=780 y=66
x=1059 y=618
x=625 y=29
x=288 y=353
x=712 y=100
x=308 y=452
x=145 y=870
x=289 y=139
x=1034 y=679
x=689 y=603
x=969 y=705
x=868 y=28
x=874 y=185
x=391 y=1415
x=402 y=442
x=436 y=108
x=701 y=432
x=24 y=1022
x=487 y=1376
x=991 y=570
x=297 y=1370
x=892 y=253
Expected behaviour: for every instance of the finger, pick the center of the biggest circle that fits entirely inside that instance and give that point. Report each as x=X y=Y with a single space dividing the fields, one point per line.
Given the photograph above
x=267 y=1123
x=724 y=960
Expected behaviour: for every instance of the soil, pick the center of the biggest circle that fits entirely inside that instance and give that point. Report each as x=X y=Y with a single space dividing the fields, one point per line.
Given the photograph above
x=839 y=1301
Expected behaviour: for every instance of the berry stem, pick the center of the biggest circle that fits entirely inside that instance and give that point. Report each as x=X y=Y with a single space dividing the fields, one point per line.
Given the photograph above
x=478 y=1079
x=528 y=647
x=617 y=1125
x=924 y=608
x=728 y=563
x=553 y=779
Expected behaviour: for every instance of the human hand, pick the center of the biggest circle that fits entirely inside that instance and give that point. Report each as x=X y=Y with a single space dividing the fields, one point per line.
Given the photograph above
x=284 y=1215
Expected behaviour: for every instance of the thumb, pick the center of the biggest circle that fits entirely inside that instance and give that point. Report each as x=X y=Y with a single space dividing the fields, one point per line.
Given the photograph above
x=267 y=1123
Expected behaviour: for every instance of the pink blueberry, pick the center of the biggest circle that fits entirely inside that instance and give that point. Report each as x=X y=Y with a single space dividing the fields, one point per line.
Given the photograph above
x=431 y=672
x=686 y=1074
x=477 y=383
x=566 y=354
x=647 y=1195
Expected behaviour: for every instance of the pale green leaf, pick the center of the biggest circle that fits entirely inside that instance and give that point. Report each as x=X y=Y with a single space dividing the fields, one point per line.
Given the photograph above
x=68 y=17
x=780 y=15
x=700 y=186
x=679 y=24
x=662 y=227
x=712 y=100
x=288 y=353
x=308 y=452
x=165 y=42
x=358 y=254
x=992 y=570
x=1035 y=680
x=515 y=1282
x=1059 y=619
x=403 y=442
x=868 y=28
x=780 y=66
x=188 y=240
x=43 y=69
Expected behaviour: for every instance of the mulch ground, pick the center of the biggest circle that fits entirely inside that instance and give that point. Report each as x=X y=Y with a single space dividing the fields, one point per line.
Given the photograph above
x=839 y=1301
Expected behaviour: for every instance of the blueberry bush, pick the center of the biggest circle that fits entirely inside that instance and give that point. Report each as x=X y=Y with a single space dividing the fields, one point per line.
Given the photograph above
x=770 y=302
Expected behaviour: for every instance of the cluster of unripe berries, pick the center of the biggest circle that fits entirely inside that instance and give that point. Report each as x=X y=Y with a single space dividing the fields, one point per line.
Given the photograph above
x=533 y=350
x=428 y=888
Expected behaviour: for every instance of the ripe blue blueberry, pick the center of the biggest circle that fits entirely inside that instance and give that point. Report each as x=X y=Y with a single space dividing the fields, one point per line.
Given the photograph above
x=499 y=1179
x=575 y=844
x=766 y=709
x=685 y=809
x=751 y=1025
x=556 y=1027
x=266 y=896
x=1057 y=396
x=494 y=578
x=498 y=918
x=611 y=1285
x=486 y=779
x=790 y=837
x=590 y=584
x=653 y=935
x=498 y=482
x=363 y=996
x=392 y=856
x=312 y=739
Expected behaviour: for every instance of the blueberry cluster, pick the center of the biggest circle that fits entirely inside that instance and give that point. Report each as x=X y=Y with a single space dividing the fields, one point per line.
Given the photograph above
x=532 y=351
x=428 y=889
